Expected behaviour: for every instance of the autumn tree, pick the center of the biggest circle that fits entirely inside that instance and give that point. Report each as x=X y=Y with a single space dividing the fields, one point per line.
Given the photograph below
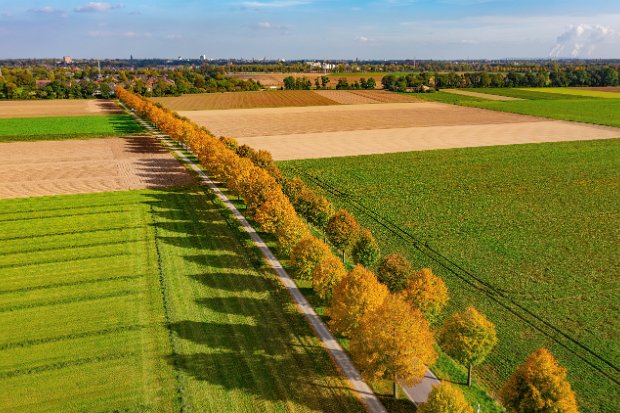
x=539 y=386
x=306 y=255
x=357 y=293
x=468 y=337
x=394 y=341
x=366 y=250
x=342 y=231
x=327 y=275
x=394 y=271
x=427 y=292
x=446 y=398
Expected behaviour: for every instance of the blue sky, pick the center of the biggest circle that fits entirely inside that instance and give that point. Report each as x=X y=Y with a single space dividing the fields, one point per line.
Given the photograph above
x=311 y=29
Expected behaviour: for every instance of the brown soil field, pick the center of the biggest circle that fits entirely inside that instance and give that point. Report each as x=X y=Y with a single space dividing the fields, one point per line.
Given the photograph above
x=377 y=141
x=57 y=107
x=601 y=89
x=487 y=96
x=245 y=100
x=288 y=121
x=86 y=166
x=360 y=97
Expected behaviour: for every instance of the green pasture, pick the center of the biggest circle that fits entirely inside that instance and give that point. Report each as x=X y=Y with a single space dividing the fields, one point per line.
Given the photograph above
x=147 y=301
x=526 y=233
x=575 y=92
x=67 y=127
x=529 y=94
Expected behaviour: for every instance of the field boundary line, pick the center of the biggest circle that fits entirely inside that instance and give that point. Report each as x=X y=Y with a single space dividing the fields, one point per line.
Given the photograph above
x=329 y=342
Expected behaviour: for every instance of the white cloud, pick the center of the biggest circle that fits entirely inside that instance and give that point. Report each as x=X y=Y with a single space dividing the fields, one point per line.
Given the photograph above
x=268 y=26
x=362 y=39
x=97 y=7
x=582 y=40
x=128 y=34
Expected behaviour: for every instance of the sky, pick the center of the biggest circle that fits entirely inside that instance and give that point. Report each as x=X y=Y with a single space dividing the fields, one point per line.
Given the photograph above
x=311 y=29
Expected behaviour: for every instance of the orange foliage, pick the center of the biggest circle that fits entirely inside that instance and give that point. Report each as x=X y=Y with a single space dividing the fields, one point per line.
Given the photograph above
x=358 y=293
x=327 y=275
x=306 y=255
x=538 y=386
x=393 y=341
x=427 y=292
x=261 y=192
x=446 y=398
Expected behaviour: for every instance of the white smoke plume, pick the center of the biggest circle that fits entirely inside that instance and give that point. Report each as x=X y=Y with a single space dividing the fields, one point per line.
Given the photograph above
x=582 y=40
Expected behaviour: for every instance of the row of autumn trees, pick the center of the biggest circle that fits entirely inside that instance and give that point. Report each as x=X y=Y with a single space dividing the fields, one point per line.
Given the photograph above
x=386 y=316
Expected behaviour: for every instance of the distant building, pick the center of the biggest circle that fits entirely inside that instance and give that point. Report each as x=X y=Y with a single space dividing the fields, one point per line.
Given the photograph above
x=67 y=60
x=203 y=57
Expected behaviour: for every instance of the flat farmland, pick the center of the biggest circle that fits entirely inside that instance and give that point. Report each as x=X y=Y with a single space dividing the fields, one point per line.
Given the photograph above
x=85 y=166
x=47 y=108
x=614 y=89
x=146 y=300
x=526 y=233
x=244 y=100
x=277 y=79
x=480 y=95
x=318 y=132
x=360 y=97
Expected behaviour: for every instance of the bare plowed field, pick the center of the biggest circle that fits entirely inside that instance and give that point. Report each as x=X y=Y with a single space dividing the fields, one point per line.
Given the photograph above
x=245 y=100
x=367 y=142
x=46 y=108
x=287 y=121
x=487 y=96
x=80 y=166
x=360 y=97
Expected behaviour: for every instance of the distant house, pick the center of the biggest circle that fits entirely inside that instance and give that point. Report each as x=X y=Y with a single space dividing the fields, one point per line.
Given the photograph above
x=42 y=83
x=67 y=60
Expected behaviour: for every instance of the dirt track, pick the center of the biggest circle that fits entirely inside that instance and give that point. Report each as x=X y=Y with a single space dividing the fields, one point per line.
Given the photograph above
x=287 y=121
x=486 y=96
x=57 y=107
x=86 y=166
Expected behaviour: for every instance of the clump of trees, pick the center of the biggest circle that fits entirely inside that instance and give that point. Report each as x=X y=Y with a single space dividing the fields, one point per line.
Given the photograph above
x=446 y=398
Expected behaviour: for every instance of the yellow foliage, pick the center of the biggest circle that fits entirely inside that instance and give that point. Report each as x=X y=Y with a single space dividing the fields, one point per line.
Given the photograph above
x=308 y=254
x=539 y=386
x=327 y=275
x=393 y=341
x=359 y=292
x=427 y=292
x=446 y=398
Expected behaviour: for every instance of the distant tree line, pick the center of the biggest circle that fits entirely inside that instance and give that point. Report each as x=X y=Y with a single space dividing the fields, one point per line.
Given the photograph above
x=558 y=76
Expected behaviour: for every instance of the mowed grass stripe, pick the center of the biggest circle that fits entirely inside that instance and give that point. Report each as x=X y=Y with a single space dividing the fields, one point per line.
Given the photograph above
x=536 y=222
x=94 y=338
x=67 y=127
x=239 y=343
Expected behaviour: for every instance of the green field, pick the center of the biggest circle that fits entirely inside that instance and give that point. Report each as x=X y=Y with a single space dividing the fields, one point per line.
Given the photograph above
x=549 y=105
x=526 y=233
x=67 y=127
x=530 y=94
x=148 y=301
x=576 y=92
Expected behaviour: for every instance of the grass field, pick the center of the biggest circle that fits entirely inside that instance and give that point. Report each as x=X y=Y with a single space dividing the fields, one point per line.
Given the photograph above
x=147 y=301
x=575 y=92
x=67 y=127
x=527 y=233
x=530 y=94
x=549 y=105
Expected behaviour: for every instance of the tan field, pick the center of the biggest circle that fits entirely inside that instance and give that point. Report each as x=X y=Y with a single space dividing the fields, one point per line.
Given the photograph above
x=86 y=166
x=330 y=131
x=361 y=97
x=45 y=108
x=487 y=96
x=287 y=121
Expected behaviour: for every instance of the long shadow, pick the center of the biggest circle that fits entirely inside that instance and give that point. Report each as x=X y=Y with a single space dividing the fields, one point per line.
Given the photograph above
x=251 y=338
x=124 y=125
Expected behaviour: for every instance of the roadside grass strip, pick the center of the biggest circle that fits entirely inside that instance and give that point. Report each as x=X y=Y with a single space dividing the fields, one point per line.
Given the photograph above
x=67 y=127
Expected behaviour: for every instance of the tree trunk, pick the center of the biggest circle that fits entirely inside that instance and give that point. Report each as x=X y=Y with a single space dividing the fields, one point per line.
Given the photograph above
x=395 y=388
x=469 y=376
x=344 y=257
